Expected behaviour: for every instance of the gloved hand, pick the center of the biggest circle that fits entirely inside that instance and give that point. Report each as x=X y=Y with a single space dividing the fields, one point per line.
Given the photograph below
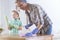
x=31 y=33
x=35 y=31
x=28 y=34
x=28 y=25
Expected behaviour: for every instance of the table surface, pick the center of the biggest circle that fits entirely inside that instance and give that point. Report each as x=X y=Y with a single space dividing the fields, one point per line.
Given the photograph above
x=46 y=37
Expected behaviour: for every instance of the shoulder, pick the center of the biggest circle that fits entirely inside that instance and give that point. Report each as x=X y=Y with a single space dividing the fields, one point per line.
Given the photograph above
x=35 y=5
x=19 y=21
x=11 y=21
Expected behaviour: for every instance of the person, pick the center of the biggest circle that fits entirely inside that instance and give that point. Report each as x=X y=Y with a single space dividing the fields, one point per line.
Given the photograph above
x=36 y=15
x=15 y=24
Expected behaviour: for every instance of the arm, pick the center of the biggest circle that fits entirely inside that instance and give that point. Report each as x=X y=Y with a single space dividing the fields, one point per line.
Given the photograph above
x=26 y=26
x=40 y=21
x=20 y=25
x=10 y=26
x=28 y=20
x=40 y=18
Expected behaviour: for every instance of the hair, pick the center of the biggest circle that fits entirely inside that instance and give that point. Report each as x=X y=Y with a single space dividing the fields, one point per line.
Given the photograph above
x=20 y=1
x=17 y=1
x=16 y=13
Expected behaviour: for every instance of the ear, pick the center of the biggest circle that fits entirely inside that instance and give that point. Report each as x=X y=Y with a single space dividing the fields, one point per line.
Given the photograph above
x=16 y=7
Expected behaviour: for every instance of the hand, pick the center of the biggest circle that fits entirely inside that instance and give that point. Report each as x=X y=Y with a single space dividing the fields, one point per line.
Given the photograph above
x=9 y=28
x=20 y=28
x=39 y=26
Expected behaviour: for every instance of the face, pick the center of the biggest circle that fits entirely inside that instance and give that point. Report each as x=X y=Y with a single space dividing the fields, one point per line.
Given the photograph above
x=15 y=15
x=22 y=5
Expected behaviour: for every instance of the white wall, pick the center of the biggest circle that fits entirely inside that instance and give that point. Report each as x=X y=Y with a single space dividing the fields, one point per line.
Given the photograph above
x=51 y=7
x=4 y=5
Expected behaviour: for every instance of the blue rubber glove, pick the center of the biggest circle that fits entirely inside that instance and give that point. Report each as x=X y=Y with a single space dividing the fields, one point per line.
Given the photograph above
x=28 y=34
x=35 y=31
x=28 y=25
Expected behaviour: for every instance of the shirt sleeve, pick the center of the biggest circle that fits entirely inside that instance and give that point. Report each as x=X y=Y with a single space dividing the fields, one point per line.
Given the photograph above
x=11 y=23
x=20 y=23
x=40 y=16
